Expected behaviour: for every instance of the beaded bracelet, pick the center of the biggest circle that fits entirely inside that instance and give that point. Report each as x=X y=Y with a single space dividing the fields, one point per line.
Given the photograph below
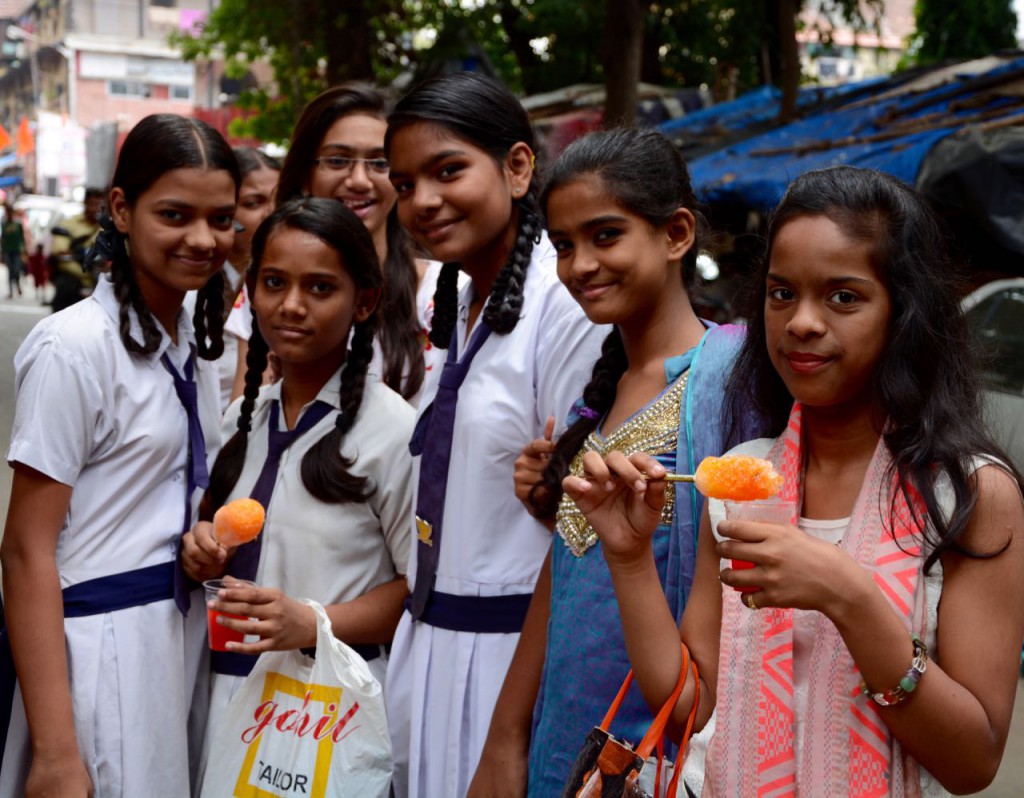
x=908 y=683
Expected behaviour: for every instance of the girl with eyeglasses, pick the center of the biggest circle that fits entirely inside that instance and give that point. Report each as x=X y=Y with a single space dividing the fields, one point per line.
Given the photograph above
x=337 y=152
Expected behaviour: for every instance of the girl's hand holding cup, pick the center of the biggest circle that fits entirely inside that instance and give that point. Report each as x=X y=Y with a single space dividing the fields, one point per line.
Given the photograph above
x=764 y=511
x=782 y=565
x=249 y=619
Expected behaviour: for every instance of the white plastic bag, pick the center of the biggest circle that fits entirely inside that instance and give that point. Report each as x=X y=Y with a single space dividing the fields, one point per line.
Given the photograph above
x=300 y=726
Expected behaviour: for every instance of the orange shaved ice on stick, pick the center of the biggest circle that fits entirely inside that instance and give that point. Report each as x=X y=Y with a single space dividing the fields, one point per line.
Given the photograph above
x=737 y=477
x=238 y=522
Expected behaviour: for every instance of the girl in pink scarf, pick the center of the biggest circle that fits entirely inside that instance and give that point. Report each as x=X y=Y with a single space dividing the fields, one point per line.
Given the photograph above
x=839 y=672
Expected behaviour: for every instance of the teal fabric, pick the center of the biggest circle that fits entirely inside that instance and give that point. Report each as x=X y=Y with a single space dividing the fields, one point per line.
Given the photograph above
x=586 y=660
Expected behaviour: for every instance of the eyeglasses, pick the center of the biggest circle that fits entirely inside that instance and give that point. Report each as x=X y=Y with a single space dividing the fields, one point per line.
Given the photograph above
x=345 y=165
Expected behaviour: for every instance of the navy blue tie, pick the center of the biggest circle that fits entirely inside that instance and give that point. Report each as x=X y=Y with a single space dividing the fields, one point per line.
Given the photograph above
x=432 y=439
x=198 y=476
x=246 y=559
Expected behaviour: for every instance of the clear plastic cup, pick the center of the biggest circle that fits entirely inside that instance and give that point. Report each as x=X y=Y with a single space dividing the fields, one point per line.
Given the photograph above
x=220 y=636
x=769 y=511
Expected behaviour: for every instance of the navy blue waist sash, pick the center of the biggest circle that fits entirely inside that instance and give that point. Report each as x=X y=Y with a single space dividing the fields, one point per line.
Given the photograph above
x=93 y=597
x=232 y=663
x=478 y=614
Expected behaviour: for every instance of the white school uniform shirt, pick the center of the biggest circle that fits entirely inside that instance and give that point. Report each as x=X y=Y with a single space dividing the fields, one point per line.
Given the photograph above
x=109 y=424
x=442 y=685
x=334 y=553
x=331 y=553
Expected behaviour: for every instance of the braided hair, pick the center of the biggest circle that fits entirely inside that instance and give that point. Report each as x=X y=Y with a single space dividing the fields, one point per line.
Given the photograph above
x=644 y=174
x=325 y=471
x=157 y=145
x=484 y=113
x=399 y=327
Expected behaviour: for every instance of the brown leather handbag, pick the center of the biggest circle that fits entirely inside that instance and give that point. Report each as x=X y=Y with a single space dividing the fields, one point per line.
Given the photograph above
x=611 y=768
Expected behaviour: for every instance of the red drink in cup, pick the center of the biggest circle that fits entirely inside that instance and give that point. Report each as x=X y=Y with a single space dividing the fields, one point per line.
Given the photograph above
x=769 y=511
x=219 y=635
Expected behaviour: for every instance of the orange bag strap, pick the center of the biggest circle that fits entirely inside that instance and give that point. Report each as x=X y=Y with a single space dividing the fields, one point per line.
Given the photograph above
x=657 y=729
x=673 y=785
x=654 y=738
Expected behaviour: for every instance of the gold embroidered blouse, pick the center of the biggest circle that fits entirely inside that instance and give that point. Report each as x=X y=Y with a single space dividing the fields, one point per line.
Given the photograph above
x=654 y=430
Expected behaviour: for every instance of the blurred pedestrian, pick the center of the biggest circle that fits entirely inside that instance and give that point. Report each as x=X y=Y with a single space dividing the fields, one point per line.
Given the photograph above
x=12 y=248
x=39 y=268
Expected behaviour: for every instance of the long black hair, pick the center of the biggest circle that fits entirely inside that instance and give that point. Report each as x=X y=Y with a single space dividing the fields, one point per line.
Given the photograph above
x=157 y=145
x=643 y=173
x=484 y=113
x=325 y=471
x=399 y=330
x=925 y=380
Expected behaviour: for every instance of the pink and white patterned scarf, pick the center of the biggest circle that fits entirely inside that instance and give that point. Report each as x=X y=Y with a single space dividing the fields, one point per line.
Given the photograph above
x=847 y=748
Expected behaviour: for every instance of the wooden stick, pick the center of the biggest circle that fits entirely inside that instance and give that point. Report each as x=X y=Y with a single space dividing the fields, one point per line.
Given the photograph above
x=673 y=478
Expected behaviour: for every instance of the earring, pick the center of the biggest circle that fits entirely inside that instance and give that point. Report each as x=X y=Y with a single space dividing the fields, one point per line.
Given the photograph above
x=517 y=191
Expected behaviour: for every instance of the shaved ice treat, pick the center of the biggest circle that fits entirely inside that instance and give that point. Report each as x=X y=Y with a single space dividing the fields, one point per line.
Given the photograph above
x=238 y=522
x=737 y=477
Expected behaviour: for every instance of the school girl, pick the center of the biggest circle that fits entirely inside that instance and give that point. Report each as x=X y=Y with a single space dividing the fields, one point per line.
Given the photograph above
x=255 y=202
x=337 y=152
x=876 y=649
x=622 y=217
x=461 y=153
x=339 y=495
x=116 y=416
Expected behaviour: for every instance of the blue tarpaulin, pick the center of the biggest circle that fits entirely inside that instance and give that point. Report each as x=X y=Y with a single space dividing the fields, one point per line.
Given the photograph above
x=757 y=107
x=756 y=172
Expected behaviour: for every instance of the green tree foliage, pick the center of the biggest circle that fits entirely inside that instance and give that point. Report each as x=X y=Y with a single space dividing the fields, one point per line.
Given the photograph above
x=308 y=44
x=534 y=45
x=952 y=29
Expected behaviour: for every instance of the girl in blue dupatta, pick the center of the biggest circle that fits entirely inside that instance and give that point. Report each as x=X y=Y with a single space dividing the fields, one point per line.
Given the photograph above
x=622 y=217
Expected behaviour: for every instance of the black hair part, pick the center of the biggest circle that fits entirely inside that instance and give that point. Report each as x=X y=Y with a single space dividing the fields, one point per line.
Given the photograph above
x=325 y=471
x=252 y=160
x=925 y=380
x=399 y=327
x=94 y=193
x=157 y=145
x=643 y=173
x=484 y=113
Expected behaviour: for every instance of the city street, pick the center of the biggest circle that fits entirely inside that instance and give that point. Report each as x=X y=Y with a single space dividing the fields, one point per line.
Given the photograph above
x=19 y=315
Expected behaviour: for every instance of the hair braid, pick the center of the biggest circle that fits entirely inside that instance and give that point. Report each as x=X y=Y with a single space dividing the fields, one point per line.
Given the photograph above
x=255 y=366
x=598 y=396
x=129 y=296
x=446 y=306
x=325 y=470
x=228 y=466
x=208 y=319
x=506 y=300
